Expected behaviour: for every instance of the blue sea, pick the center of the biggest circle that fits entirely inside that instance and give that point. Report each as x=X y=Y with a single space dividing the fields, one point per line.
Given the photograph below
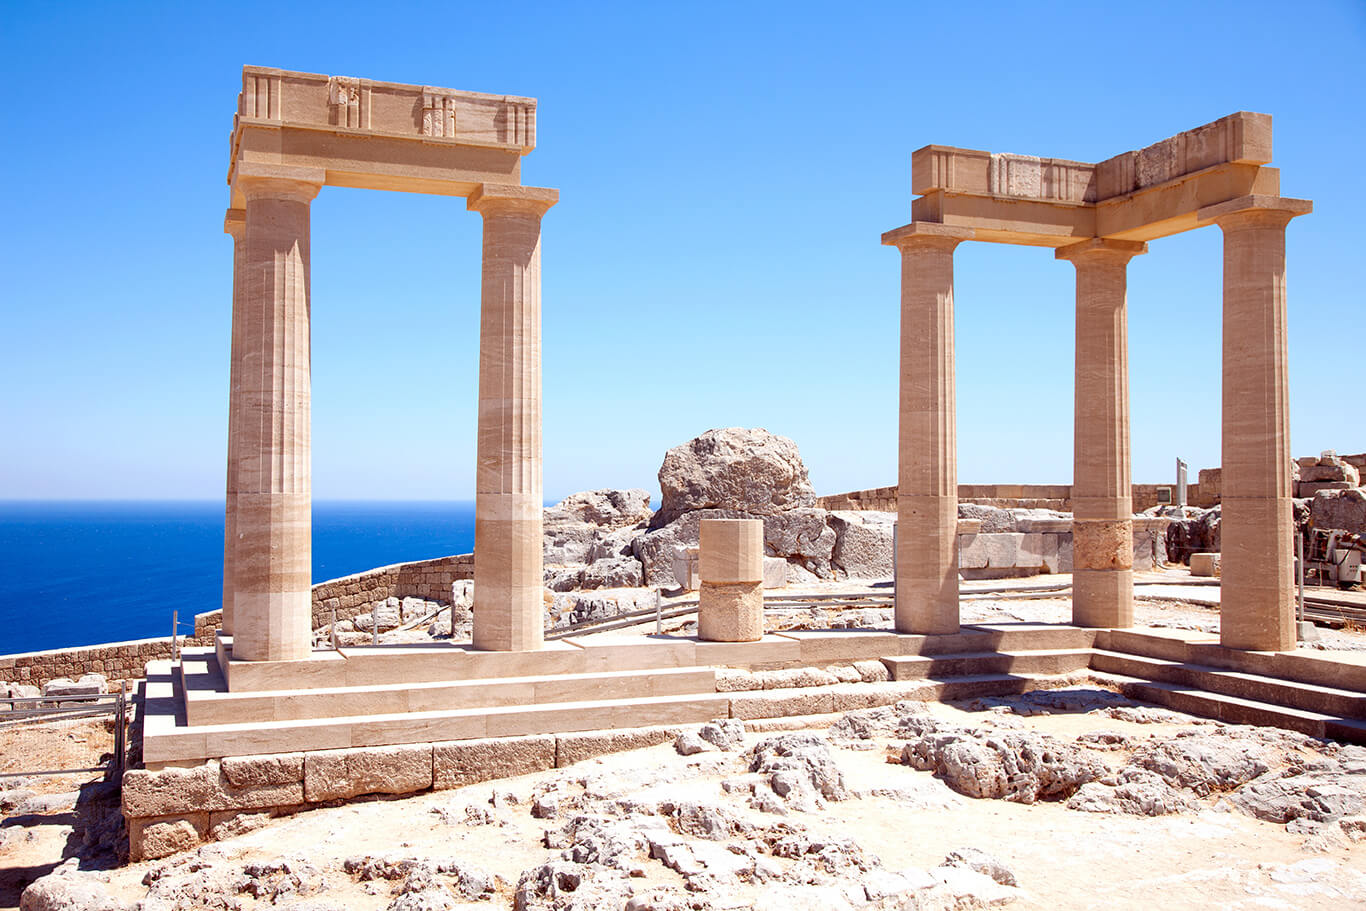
x=80 y=573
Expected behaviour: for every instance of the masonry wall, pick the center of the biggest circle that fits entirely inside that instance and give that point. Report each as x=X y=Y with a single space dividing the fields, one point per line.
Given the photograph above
x=429 y=580
x=1029 y=496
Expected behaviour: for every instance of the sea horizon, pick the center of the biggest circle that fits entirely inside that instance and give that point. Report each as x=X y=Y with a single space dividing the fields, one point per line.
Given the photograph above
x=88 y=571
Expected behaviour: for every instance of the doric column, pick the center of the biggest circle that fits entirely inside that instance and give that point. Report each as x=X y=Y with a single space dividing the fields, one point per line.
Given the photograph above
x=508 y=585
x=1102 y=504
x=927 y=475
x=1256 y=591
x=272 y=599
x=235 y=224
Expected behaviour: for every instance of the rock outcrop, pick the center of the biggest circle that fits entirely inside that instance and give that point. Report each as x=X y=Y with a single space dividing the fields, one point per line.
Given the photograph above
x=751 y=471
x=588 y=538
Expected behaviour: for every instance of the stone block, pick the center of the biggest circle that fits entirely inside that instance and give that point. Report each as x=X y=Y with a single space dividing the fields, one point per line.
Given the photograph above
x=1031 y=551
x=685 y=568
x=1103 y=544
x=151 y=839
x=1204 y=564
x=463 y=762
x=340 y=774
x=572 y=748
x=201 y=788
x=1305 y=489
x=732 y=550
x=776 y=703
x=1050 y=554
x=775 y=572
x=260 y=771
x=972 y=551
x=1339 y=471
x=731 y=612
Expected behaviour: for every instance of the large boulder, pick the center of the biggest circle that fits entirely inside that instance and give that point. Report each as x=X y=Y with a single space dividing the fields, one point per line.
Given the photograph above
x=1345 y=509
x=751 y=471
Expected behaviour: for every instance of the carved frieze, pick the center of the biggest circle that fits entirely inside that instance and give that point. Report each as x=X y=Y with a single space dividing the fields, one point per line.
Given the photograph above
x=438 y=114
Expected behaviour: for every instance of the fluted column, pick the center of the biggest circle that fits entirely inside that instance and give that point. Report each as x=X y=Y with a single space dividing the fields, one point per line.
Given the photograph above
x=272 y=599
x=508 y=607
x=1256 y=587
x=927 y=475
x=1102 y=503
x=235 y=224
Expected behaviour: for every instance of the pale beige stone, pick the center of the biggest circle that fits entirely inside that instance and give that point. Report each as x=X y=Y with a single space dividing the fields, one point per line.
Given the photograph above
x=200 y=788
x=508 y=548
x=1205 y=564
x=1100 y=215
x=731 y=550
x=155 y=839
x=465 y=762
x=730 y=612
x=260 y=771
x=1255 y=541
x=927 y=475
x=572 y=748
x=235 y=225
x=773 y=703
x=340 y=774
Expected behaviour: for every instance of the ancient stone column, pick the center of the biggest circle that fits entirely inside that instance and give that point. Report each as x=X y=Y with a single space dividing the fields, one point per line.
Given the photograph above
x=1256 y=588
x=272 y=561
x=1102 y=506
x=508 y=606
x=927 y=476
x=235 y=224
x=730 y=603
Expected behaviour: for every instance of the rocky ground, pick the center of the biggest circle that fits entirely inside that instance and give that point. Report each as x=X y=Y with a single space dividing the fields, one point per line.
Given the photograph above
x=1073 y=798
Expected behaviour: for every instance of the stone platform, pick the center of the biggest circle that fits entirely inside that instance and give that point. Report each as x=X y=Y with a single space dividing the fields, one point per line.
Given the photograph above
x=400 y=719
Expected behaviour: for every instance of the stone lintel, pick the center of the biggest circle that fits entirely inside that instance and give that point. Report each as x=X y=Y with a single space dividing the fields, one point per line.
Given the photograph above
x=925 y=231
x=496 y=197
x=1123 y=250
x=1290 y=208
x=1240 y=138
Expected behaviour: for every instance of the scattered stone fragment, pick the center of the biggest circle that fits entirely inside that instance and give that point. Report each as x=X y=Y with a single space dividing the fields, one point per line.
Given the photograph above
x=690 y=743
x=982 y=862
x=724 y=733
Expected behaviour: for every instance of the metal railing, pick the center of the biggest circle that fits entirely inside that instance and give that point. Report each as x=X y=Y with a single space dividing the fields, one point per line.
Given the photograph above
x=19 y=712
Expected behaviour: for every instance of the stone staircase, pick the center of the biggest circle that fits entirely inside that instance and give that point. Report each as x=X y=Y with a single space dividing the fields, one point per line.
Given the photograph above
x=381 y=696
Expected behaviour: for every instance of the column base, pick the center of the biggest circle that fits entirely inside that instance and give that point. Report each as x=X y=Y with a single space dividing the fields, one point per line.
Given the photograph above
x=1103 y=598
x=730 y=612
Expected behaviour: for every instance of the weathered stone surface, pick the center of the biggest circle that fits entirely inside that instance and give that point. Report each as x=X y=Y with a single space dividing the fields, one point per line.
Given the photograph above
x=463 y=762
x=572 y=748
x=613 y=572
x=1136 y=793
x=730 y=612
x=982 y=862
x=724 y=733
x=259 y=771
x=690 y=743
x=66 y=891
x=751 y=471
x=994 y=521
x=339 y=774
x=152 y=839
x=800 y=769
x=1204 y=763
x=605 y=508
x=1019 y=766
x=800 y=536
x=863 y=544
x=198 y=789
x=1345 y=509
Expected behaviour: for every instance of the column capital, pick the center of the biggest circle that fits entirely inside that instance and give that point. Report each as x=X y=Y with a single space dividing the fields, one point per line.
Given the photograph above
x=266 y=181
x=927 y=234
x=1256 y=209
x=235 y=223
x=1102 y=249
x=496 y=198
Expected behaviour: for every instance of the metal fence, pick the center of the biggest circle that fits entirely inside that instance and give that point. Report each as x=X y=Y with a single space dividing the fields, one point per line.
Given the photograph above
x=27 y=726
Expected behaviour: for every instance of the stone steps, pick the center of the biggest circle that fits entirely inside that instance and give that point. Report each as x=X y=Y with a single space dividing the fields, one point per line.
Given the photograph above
x=954 y=665
x=1307 y=696
x=1236 y=710
x=207 y=701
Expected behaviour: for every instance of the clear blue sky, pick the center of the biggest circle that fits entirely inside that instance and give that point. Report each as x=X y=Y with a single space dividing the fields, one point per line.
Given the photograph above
x=725 y=173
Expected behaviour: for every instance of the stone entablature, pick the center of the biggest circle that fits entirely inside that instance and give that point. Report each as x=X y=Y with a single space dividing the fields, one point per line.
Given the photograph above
x=1137 y=196
x=379 y=135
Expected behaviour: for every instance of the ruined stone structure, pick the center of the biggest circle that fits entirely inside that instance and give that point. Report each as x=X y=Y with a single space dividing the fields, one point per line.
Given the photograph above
x=293 y=134
x=1098 y=217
